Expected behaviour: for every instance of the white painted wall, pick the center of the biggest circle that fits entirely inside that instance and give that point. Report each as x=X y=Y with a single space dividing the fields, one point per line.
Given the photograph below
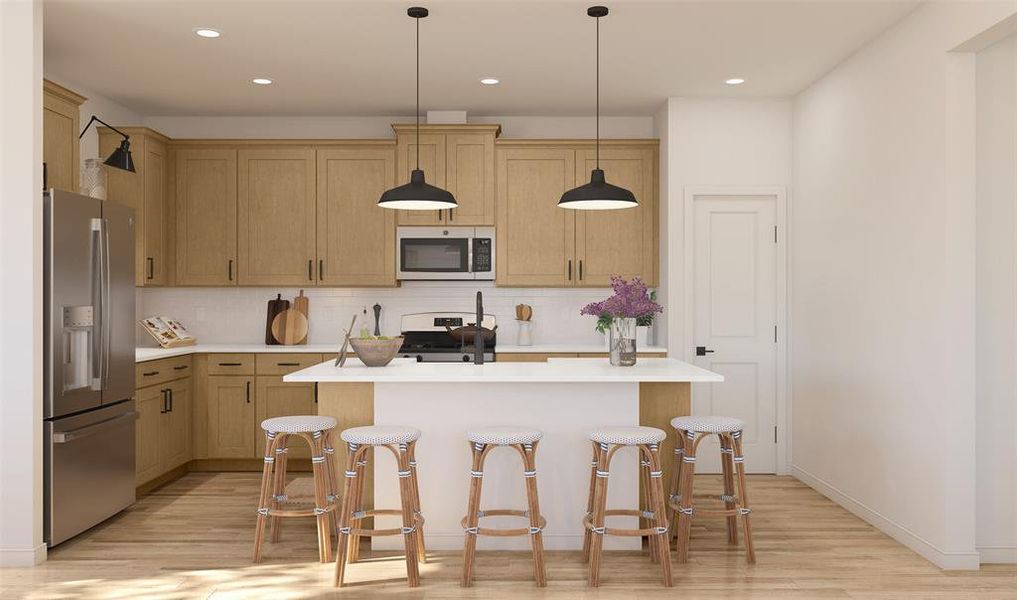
x=380 y=127
x=996 y=411
x=715 y=142
x=21 y=507
x=883 y=282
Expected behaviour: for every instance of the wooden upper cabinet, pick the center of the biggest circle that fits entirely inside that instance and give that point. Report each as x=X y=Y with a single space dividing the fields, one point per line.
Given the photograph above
x=431 y=162
x=457 y=158
x=276 y=216
x=145 y=192
x=536 y=241
x=356 y=237
x=206 y=211
x=60 y=129
x=618 y=242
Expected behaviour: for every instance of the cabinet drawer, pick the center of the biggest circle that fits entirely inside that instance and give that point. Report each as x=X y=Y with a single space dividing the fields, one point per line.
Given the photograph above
x=281 y=364
x=231 y=364
x=154 y=372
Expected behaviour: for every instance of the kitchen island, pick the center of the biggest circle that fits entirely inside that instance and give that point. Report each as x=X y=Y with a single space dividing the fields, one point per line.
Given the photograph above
x=564 y=398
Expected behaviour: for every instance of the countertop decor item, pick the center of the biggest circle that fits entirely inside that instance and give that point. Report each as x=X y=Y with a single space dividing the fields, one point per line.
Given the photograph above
x=524 y=312
x=275 y=307
x=617 y=315
x=598 y=194
x=303 y=304
x=376 y=351
x=524 y=336
x=377 y=319
x=340 y=358
x=168 y=332
x=417 y=194
x=289 y=327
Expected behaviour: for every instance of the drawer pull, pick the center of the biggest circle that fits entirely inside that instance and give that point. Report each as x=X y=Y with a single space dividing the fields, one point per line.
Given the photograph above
x=180 y=367
x=231 y=364
x=289 y=364
x=150 y=374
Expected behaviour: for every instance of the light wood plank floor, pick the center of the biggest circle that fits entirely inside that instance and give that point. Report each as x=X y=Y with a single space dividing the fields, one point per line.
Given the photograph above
x=192 y=539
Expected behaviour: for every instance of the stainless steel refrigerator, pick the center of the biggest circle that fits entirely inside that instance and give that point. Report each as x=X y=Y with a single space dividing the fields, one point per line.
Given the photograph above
x=89 y=377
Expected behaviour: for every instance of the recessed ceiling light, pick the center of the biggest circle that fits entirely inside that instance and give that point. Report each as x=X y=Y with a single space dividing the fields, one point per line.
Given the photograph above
x=735 y=81
x=489 y=81
x=206 y=32
x=262 y=81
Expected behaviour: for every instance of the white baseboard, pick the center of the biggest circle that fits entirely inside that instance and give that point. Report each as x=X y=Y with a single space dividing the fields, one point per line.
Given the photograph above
x=921 y=546
x=997 y=554
x=12 y=557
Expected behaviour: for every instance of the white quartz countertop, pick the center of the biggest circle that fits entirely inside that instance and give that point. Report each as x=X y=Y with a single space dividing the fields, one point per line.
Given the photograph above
x=143 y=354
x=555 y=370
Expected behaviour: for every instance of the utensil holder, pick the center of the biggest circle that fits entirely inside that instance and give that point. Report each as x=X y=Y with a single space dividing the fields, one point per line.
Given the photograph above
x=524 y=336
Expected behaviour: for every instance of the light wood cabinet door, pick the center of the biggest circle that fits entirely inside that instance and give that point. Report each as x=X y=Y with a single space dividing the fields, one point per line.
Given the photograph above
x=277 y=398
x=175 y=427
x=60 y=129
x=469 y=176
x=156 y=254
x=618 y=242
x=149 y=403
x=356 y=237
x=231 y=415
x=276 y=216
x=206 y=216
x=536 y=239
x=432 y=162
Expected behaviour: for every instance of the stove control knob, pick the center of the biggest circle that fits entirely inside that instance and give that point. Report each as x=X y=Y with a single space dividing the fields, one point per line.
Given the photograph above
x=420 y=358
x=466 y=358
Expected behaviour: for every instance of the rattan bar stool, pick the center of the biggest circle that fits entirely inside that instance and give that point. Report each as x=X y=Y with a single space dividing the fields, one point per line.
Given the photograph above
x=317 y=431
x=681 y=506
x=606 y=442
x=401 y=441
x=525 y=441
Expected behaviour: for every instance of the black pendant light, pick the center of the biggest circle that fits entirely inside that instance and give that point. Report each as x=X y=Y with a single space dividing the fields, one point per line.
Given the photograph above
x=121 y=157
x=598 y=194
x=417 y=195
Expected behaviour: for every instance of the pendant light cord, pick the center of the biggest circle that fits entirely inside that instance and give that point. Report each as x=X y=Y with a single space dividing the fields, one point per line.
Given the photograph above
x=418 y=95
x=598 y=92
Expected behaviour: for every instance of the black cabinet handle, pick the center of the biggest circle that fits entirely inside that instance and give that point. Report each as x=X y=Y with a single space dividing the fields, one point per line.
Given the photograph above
x=151 y=268
x=230 y=364
x=150 y=373
x=179 y=367
x=580 y=270
x=450 y=215
x=310 y=269
x=702 y=351
x=570 y=269
x=170 y=392
x=289 y=364
x=440 y=217
x=321 y=269
x=248 y=391
x=230 y=269
x=315 y=393
x=165 y=402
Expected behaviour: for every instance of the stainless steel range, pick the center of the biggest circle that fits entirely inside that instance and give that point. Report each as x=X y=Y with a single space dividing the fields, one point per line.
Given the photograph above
x=428 y=338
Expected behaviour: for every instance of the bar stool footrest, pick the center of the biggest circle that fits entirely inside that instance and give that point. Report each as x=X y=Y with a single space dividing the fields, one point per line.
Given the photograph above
x=299 y=512
x=504 y=512
x=418 y=521
x=623 y=512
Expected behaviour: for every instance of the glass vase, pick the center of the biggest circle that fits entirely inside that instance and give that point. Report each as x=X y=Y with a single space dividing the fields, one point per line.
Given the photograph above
x=622 y=335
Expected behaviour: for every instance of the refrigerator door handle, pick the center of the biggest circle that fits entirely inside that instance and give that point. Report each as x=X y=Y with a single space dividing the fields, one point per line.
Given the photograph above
x=107 y=317
x=76 y=434
x=96 y=345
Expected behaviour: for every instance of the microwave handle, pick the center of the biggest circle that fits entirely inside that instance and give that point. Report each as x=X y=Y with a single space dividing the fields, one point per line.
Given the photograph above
x=469 y=255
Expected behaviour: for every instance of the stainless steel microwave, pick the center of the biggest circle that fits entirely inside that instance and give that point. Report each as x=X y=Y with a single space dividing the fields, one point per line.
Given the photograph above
x=445 y=253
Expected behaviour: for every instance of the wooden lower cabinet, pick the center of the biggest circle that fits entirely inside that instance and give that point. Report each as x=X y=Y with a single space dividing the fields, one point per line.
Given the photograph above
x=231 y=416
x=279 y=399
x=163 y=428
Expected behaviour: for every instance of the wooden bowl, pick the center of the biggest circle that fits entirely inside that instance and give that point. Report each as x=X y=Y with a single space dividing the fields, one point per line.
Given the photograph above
x=376 y=353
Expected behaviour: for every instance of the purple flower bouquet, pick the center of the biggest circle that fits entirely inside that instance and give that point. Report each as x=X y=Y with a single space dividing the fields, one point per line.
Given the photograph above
x=618 y=314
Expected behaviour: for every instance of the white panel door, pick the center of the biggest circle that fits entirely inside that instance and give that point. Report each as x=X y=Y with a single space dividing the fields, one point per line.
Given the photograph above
x=735 y=318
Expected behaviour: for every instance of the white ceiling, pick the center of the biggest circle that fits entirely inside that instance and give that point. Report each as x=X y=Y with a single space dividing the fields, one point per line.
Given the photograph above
x=356 y=58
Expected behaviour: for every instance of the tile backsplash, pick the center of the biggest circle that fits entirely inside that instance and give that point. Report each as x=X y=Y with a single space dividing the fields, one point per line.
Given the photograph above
x=237 y=315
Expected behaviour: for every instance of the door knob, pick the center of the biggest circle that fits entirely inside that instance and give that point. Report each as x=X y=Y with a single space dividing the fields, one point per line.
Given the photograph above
x=702 y=351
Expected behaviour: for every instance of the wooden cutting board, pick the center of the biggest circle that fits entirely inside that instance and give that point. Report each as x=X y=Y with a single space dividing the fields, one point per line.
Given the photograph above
x=303 y=304
x=275 y=307
x=289 y=327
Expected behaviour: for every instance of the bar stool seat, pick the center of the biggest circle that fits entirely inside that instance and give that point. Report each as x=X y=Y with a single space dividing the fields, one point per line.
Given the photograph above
x=504 y=435
x=627 y=436
x=376 y=435
x=299 y=424
x=708 y=424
